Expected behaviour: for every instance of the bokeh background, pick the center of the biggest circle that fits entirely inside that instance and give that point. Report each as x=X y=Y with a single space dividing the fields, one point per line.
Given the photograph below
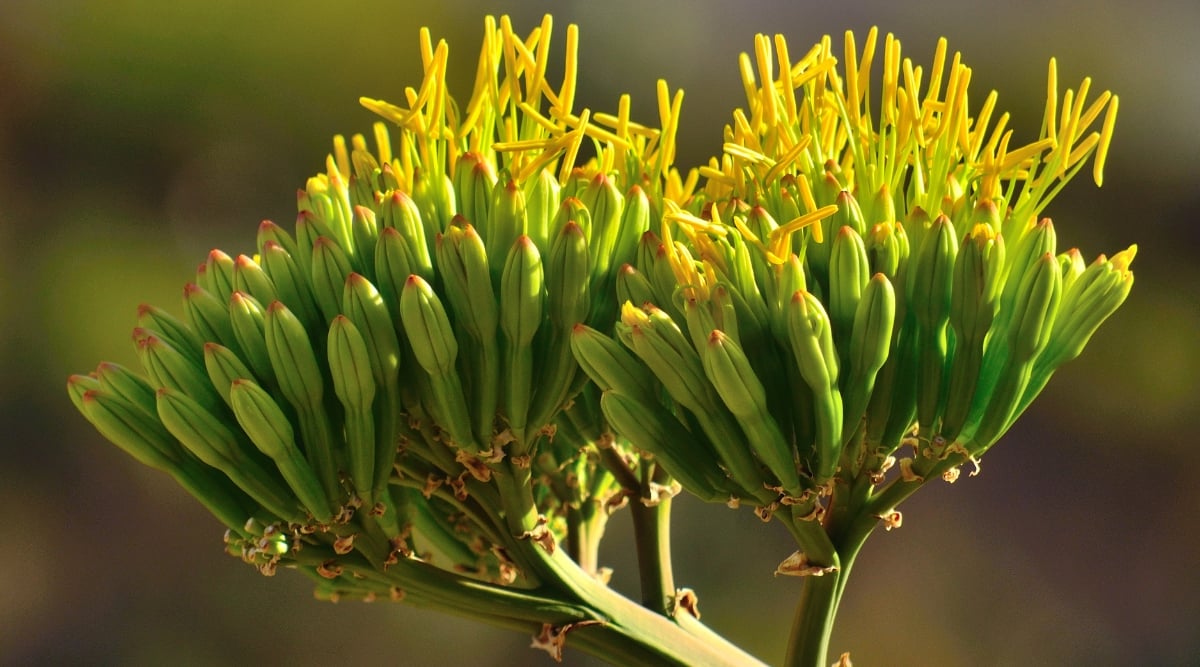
x=135 y=135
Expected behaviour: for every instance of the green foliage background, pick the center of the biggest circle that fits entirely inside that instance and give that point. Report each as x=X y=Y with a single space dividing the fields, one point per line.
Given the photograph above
x=137 y=135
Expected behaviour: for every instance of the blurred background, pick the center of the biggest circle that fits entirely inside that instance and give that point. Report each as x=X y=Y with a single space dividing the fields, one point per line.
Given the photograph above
x=135 y=135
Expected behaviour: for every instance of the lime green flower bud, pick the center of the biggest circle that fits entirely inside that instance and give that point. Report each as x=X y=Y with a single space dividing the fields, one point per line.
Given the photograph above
x=436 y=349
x=463 y=264
x=393 y=266
x=271 y=432
x=811 y=336
x=292 y=358
x=887 y=249
x=168 y=367
x=474 y=181
x=660 y=434
x=208 y=316
x=931 y=281
x=1036 y=307
x=1092 y=297
x=542 y=196
x=308 y=230
x=78 y=385
x=218 y=275
x=507 y=222
x=568 y=276
x=366 y=235
x=1072 y=265
x=433 y=193
x=250 y=278
x=224 y=367
x=654 y=263
x=870 y=345
x=635 y=221
x=208 y=438
x=849 y=214
x=354 y=385
x=123 y=383
x=632 y=286
x=301 y=383
x=973 y=303
x=269 y=232
x=365 y=307
x=172 y=330
x=610 y=366
x=292 y=287
x=1030 y=329
x=330 y=266
x=790 y=280
x=1027 y=252
x=661 y=345
x=467 y=279
x=143 y=437
x=568 y=301
x=249 y=328
x=522 y=301
x=400 y=212
x=739 y=388
x=606 y=207
x=848 y=266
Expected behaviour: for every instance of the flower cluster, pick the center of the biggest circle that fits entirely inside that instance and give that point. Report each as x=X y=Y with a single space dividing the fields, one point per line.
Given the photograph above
x=852 y=280
x=475 y=344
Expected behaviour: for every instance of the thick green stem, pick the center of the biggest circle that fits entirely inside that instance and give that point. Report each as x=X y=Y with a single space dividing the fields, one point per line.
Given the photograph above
x=657 y=636
x=652 y=536
x=813 y=623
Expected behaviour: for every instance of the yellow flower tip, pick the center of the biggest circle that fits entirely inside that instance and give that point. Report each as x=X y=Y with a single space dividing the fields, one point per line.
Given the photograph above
x=1123 y=259
x=632 y=315
x=983 y=232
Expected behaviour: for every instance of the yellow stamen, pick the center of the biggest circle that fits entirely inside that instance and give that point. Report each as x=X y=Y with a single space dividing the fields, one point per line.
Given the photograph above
x=341 y=155
x=785 y=79
x=566 y=95
x=1110 y=121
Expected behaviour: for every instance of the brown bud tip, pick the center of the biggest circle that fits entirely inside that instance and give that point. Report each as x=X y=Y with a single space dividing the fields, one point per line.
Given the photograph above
x=276 y=306
x=217 y=255
x=144 y=309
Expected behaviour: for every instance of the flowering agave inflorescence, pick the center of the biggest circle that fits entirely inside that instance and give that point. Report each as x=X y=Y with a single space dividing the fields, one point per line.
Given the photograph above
x=474 y=346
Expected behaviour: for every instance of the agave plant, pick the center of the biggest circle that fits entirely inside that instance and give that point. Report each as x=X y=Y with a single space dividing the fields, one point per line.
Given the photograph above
x=476 y=345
